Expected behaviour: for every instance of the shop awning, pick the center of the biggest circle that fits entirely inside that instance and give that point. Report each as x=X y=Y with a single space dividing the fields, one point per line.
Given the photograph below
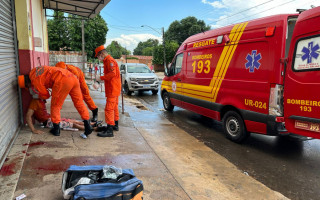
x=84 y=8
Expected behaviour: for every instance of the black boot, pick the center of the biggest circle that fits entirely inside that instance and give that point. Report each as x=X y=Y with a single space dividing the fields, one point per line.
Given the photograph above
x=106 y=133
x=116 y=127
x=94 y=115
x=87 y=127
x=56 y=129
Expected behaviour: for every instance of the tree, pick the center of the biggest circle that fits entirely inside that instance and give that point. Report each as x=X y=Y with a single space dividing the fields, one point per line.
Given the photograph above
x=75 y=33
x=66 y=34
x=57 y=32
x=116 y=50
x=142 y=45
x=148 y=51
x=171 y=48
x=95 y=31
x=179 y=31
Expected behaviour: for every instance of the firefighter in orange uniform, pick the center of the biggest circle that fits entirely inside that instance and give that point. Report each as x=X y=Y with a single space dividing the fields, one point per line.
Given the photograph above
x=62 y=83
x=83 y=86
x=112 y=83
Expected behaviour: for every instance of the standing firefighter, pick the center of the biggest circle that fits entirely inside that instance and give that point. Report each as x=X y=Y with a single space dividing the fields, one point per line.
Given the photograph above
x=62 y=83
x=112 y=83
x=83 y=86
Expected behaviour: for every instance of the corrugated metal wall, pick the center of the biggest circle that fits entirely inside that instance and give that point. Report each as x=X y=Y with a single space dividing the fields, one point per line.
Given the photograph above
x=9 y=104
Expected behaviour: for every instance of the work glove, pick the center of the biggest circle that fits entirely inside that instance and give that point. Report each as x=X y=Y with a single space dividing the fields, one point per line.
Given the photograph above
x=98 y=78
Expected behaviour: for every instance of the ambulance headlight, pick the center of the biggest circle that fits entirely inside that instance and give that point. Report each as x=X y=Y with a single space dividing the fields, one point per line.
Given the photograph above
x=276 y=100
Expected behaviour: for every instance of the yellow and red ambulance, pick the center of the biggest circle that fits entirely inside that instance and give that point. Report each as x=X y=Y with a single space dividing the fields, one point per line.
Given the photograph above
x=260 y=76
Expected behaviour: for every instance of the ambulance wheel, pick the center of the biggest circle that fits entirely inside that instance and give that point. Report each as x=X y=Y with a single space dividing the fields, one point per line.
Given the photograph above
x=234 y=128
x=167 y=102
x=126 y=89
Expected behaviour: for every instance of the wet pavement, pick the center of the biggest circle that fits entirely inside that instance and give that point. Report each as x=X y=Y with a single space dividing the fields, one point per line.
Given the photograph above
x=284 y=164
x=171 y=163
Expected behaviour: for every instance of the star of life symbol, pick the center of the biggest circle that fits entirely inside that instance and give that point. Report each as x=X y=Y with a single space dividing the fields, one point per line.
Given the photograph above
x=253 y=61
x=310 y=52
x=174 y=86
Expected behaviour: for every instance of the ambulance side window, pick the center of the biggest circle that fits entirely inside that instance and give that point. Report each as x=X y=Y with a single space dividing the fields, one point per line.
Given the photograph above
x=306 y=57
x=176 y=65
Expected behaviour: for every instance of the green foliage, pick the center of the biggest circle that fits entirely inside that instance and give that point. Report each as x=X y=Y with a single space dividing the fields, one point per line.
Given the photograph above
x=75 y=33
x=57 y=32
x=148 y=51
x=142 y=45
x=171 y=48
x=179 y=31
x=133 y=58
x=66 y=34
x=116 y=50
x=95 y=34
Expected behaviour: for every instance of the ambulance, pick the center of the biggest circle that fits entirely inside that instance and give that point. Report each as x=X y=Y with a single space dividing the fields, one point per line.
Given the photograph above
x=260 y=76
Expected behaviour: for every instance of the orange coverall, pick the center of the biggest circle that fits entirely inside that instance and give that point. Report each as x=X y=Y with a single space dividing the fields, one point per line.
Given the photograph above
x=83 y=86
x=40 y=111
x=62 y=83
x=112 y=83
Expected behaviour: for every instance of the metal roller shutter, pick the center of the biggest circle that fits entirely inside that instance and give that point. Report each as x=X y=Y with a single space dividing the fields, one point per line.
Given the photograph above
x=9 y=103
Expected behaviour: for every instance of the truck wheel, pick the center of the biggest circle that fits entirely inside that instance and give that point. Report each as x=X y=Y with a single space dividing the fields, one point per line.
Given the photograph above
x=154 y=91
x=81 y=198
x=167 y=102
x=126 y=89
x=234 y=128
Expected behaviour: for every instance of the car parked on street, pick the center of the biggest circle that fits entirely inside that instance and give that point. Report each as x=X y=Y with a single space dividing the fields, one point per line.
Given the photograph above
x=138 y=77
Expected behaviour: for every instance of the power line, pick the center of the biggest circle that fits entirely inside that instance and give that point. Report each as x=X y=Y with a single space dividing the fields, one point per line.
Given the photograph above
x=122 y=29
x=262 y=11
x=115 y=18
x=203 y=12
x=123 y=26
x=241 y=11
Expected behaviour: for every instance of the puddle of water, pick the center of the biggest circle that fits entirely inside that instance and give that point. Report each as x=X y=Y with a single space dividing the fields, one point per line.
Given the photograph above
x=142 y=107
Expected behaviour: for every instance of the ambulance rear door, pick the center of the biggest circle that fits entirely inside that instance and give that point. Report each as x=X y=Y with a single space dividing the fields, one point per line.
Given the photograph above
x=302 y=77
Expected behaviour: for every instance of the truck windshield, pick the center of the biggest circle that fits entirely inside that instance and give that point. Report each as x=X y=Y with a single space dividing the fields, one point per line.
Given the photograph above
x=138 y=69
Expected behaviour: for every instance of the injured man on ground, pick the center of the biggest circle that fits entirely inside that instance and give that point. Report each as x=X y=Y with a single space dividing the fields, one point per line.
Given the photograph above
x=37 y=109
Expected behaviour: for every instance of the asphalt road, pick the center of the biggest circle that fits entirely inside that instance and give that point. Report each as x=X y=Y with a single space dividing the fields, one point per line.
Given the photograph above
x=287 y=165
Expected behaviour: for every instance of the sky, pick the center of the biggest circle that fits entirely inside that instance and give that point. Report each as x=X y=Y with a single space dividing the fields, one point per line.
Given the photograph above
x=125 y=17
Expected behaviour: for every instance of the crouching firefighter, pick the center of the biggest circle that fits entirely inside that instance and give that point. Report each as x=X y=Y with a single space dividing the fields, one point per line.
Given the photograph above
x=84 y=88
x=62 y=83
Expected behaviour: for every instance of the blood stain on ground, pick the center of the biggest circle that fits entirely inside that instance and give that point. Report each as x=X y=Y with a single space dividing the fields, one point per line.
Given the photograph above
x=34 y=144
x=8 y=169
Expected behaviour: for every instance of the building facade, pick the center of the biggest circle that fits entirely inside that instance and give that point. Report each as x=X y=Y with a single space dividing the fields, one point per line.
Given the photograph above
x=23 y=46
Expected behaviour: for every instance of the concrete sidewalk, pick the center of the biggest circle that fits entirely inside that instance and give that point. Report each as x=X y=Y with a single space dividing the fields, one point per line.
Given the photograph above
x=171 y=163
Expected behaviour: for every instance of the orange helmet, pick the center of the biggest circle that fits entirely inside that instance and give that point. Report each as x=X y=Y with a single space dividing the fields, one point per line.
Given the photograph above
x=61 y=65
x=21 y=81
x=98 y=49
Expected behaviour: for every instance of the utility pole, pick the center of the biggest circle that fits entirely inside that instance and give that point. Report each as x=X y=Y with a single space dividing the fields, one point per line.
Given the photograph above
x=126 y=55
x=164 y=49
x=83 y=42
